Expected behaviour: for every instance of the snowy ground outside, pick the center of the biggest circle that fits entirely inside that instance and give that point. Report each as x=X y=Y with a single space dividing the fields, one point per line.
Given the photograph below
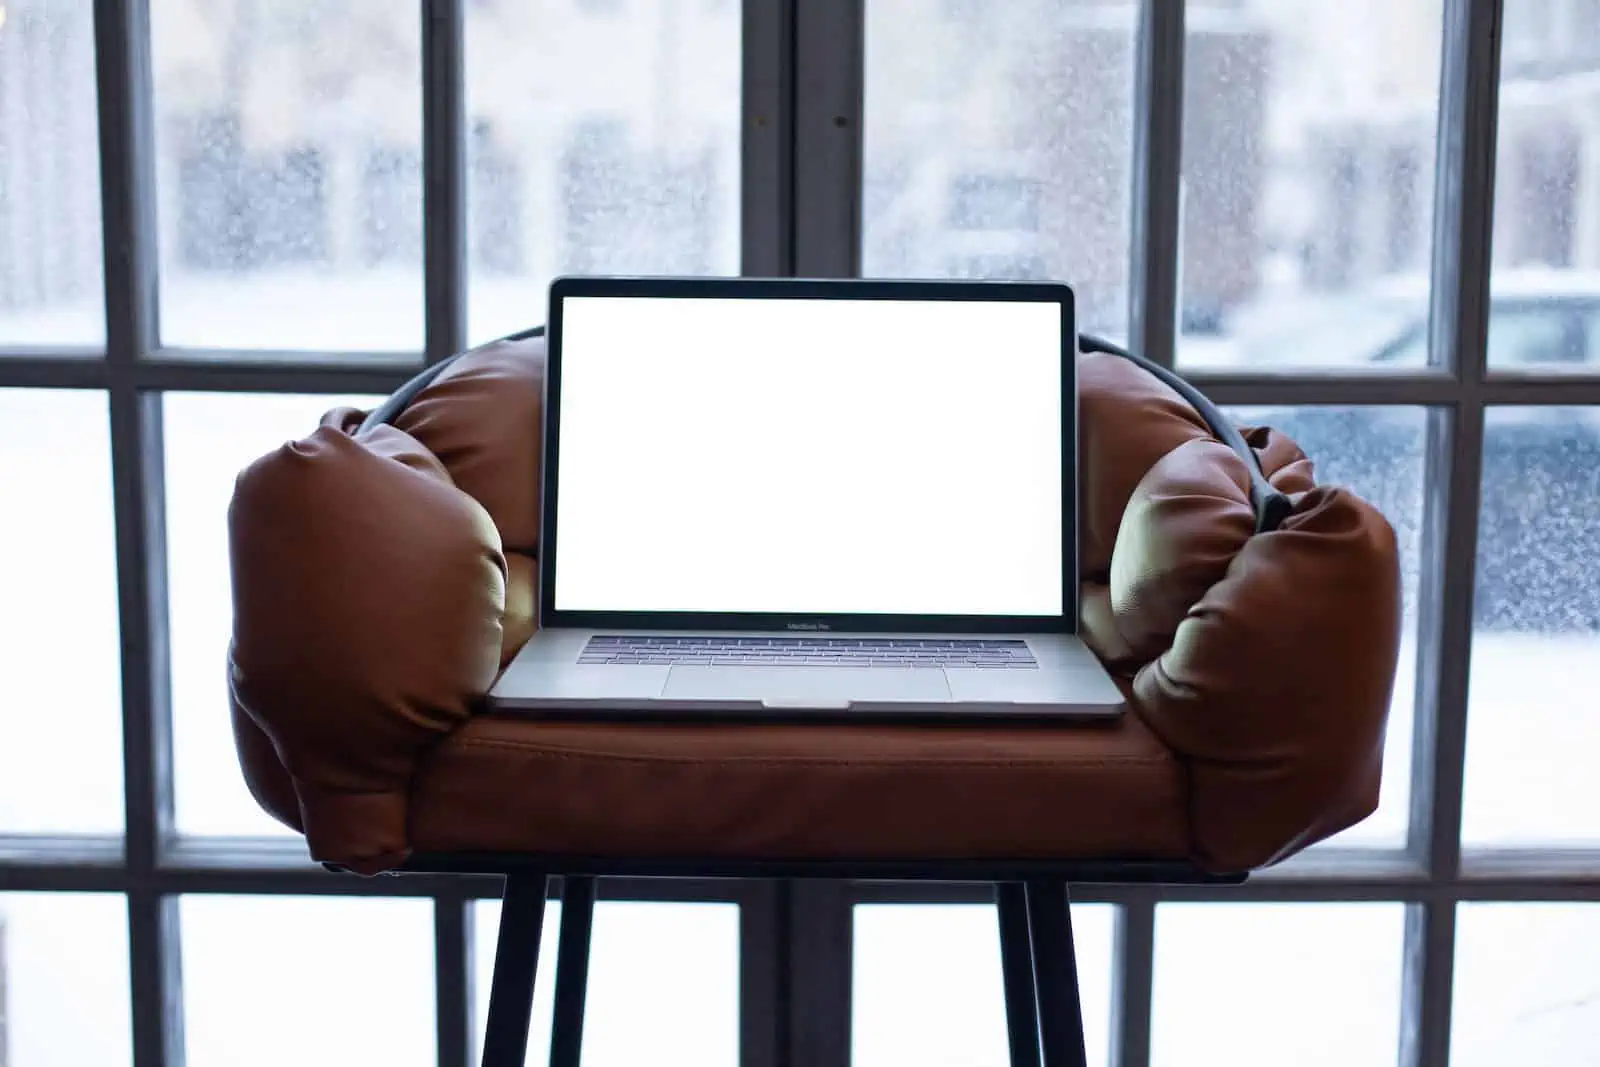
x=1320 y=980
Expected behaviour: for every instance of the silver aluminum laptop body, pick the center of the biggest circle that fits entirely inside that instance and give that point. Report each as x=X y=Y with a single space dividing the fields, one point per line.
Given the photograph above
x=781 y=499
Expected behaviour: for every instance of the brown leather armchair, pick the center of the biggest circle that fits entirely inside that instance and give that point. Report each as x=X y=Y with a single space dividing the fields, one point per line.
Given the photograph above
x=383 y=574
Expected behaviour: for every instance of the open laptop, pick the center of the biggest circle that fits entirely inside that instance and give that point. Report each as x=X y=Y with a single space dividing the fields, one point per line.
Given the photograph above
x=773 y=499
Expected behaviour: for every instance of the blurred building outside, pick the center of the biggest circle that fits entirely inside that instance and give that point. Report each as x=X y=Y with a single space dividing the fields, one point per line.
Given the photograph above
x=1309 y=142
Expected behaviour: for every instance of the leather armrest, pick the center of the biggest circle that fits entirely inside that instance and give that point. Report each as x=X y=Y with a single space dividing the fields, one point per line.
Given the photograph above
x=1277 y=684
x=368 y=601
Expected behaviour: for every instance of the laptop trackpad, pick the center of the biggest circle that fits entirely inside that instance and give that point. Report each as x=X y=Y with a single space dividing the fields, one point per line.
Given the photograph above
x=808 y=687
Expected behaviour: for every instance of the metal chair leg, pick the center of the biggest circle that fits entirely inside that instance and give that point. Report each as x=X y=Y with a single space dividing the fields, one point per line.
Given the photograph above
x=1016 y=971
x=1055 y=975
x=572 y=971
x=516 y=963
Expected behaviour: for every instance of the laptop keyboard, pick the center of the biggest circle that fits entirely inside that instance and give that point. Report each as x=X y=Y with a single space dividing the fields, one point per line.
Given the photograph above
x=762 y=651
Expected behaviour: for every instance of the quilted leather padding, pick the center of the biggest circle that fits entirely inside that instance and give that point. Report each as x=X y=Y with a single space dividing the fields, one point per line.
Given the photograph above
x=1185 y=522
x=483 y=418
x=1276 y=688
x=1127 y=420
x=368 y=593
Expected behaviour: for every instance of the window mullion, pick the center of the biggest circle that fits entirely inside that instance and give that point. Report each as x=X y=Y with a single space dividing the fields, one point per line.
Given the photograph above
x=1458 y=333
x=444 y=178
x=827 y=153
x=1133 y=984
x=1157 y=177
x=766 y=139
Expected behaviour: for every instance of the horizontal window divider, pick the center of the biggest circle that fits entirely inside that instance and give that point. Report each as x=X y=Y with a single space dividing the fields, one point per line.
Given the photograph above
x=221 y=370
x=257 y=372
x=38 y=370
x=1490 y=865
x=1421 y=388
x=83 y=872
x=225 y=870
x=66 y=851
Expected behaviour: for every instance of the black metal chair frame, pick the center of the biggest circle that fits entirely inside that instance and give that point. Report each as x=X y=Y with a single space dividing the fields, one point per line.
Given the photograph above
x=1044 y=1016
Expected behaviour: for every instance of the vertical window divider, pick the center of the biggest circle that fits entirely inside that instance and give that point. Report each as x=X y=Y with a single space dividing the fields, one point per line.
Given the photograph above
x=1157 y=176
x=123 y=91
x=444 y=207
x=830 y=57
x=1133 y=962
x=766 y=138
x=1458 y=332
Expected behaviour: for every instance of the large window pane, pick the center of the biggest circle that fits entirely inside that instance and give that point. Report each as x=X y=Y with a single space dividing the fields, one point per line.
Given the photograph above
x=617 y=152
x=289 y=173
x=927 y=986
x=64 y=980
x=998 y=145
x=49 y=176
x=269 y=981
x=1546 y=292
x=61 y=723
x=1526 y=986
x=1532 y=728
x=210 y=438
x=1308 y=155
x=1379 y=453
x=663 y=983
x=1270 y=984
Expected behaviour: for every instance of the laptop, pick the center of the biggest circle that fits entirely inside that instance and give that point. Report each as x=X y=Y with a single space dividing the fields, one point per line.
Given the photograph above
x=786 y=499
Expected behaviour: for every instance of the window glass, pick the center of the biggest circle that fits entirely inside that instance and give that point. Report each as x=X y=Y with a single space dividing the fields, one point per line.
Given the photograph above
x=1532 y=730
x=315 y=982
x=927 y=987
x=50 y=252
x=1546 y=222
x=1526 y=988
x=998 y=141
x=1308 y=174
x=289 y=174
x=1315 y=985
x=617 y=152
x=61 y=718
x=663 y=983
x=64 y=981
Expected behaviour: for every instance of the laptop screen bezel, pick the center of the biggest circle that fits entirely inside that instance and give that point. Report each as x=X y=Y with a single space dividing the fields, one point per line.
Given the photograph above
x=809 y=289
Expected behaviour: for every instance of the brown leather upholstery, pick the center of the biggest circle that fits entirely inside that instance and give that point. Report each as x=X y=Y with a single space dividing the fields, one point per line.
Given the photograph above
x=374 y=602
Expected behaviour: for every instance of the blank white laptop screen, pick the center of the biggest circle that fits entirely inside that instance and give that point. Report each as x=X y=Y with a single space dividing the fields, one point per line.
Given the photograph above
x=742 y=455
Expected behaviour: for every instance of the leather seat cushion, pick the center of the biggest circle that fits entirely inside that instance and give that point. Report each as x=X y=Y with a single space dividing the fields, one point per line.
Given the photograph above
x=721 y=791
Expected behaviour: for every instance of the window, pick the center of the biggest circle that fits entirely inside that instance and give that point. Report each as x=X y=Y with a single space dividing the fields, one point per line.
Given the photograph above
x=1050 y=92
x=664 y=984
x=50 y=278
x=238 y=950
x=1247 y=984
x=288 y=185
x=1308 y=157
x=926 y=985
x=60 y=730
x=1284 y=223
x=64 y=980
x=621 y=157
x=1520 y=990
x=1536 y=613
